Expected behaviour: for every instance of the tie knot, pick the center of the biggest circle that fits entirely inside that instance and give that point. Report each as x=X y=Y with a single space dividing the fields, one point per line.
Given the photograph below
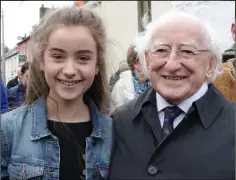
x=171 y=112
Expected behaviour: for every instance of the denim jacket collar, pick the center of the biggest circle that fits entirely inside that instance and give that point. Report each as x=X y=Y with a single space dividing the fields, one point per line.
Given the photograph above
x=39 y=120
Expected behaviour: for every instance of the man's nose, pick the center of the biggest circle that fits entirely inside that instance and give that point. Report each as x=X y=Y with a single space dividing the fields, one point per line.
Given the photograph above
x=172 y=63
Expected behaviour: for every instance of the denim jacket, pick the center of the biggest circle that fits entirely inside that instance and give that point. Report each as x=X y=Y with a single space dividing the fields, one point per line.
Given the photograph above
x=30 y=151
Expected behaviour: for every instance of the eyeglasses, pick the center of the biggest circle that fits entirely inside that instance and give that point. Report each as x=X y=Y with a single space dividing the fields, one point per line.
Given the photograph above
x=186 y=53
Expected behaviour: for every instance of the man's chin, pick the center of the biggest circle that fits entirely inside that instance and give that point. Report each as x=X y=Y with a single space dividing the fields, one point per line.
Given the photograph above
x=174 y=97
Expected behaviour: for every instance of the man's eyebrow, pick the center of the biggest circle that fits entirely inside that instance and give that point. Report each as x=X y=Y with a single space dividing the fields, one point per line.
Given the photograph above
x=189 y=43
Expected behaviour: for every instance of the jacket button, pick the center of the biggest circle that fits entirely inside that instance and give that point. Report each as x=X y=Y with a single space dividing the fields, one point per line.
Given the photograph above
x=152 y=169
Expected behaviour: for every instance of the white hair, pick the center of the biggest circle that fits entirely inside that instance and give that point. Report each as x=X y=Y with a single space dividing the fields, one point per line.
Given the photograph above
x=143 y=41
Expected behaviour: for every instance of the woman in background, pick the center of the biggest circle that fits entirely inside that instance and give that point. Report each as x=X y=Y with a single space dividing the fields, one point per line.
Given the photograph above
x=132 y=82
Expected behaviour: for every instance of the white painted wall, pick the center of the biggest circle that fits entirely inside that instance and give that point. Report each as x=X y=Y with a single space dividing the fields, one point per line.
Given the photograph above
x=11 y=65
x=160 y=7
x=121 y=21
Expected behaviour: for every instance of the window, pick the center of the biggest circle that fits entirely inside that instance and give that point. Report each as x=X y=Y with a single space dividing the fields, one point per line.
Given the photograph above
x=144 y=8
x=22 y=58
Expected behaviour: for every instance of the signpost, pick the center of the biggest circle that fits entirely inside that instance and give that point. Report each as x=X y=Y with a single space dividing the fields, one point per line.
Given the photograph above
x=3 y=50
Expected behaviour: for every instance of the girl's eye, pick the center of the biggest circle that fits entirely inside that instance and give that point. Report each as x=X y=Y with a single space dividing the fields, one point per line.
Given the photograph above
x=57 y=56
x=83 y=58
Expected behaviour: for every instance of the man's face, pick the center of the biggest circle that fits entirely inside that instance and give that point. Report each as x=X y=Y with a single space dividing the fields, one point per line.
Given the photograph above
x=233 y=31
x=174 y=74
x=25 y=78
x=19 y=75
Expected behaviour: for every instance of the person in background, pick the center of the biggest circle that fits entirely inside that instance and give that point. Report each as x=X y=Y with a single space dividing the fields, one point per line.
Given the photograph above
x=230 y=53
x=225 y=82
x=182 y=127
x=61 y=133
x=116 y=76
x=131 y=83
x=16 y=94
x=4 y=103
x=15 y=81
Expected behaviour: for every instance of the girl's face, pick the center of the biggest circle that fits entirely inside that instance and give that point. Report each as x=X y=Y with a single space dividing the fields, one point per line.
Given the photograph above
x=70 y=62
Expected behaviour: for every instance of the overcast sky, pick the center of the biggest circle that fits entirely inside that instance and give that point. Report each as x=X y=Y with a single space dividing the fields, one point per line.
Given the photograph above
x=20 y=17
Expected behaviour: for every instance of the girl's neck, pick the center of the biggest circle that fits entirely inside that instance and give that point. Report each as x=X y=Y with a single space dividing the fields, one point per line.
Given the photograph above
x=67 y=111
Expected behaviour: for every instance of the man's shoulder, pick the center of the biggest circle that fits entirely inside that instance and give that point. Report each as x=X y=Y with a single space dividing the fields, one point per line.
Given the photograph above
x=13 y=89
x=229 y=108
x=124 y=109
x=131 y=109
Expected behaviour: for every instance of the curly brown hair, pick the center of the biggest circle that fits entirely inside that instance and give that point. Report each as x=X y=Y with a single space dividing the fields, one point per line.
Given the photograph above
x=75 y=16
x=132 y=57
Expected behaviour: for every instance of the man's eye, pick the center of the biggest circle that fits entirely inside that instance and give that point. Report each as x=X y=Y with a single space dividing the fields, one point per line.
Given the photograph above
x=189 y=52
x=161 y=50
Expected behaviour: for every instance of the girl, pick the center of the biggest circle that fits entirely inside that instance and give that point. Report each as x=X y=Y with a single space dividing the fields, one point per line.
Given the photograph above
x=61 y=132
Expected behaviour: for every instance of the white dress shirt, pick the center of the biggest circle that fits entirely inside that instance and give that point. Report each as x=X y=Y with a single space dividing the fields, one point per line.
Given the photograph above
x=184 y=106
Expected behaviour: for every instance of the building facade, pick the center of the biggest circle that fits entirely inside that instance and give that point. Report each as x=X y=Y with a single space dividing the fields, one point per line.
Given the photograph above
x=11 y=64
x=24 y=47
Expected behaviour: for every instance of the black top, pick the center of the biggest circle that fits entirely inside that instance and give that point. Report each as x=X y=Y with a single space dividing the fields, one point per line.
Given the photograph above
x=72 y=143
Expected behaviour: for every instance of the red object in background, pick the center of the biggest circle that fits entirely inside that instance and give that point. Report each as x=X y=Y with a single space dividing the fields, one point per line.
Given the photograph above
x=79 y=3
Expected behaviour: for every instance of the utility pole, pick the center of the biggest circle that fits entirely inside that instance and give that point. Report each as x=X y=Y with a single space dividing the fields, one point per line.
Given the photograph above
x=3 y=50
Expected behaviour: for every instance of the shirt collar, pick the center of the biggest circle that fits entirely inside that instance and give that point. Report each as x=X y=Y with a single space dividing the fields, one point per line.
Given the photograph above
x=184 y=105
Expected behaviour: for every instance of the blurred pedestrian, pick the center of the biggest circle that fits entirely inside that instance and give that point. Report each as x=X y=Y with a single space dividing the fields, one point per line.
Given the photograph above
x=15 y=81
x=116 y=76
x=4 y=103
x=230 y=53
x=132 y=82
x=225 y=82
x=16 y=94
x=182 y=127
x=61 y=133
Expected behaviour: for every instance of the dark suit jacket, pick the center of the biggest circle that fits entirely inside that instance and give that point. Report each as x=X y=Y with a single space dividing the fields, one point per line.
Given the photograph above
x=202 y=146
x=12 y=83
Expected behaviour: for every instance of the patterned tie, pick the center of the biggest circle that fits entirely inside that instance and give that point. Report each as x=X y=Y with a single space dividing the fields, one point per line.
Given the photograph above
x=171 y=113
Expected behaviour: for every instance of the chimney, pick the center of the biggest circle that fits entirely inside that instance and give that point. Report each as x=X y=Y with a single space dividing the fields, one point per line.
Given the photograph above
x=42 y=11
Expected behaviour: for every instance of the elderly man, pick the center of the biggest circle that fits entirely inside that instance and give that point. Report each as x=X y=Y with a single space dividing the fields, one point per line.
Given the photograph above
x=182 y=127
